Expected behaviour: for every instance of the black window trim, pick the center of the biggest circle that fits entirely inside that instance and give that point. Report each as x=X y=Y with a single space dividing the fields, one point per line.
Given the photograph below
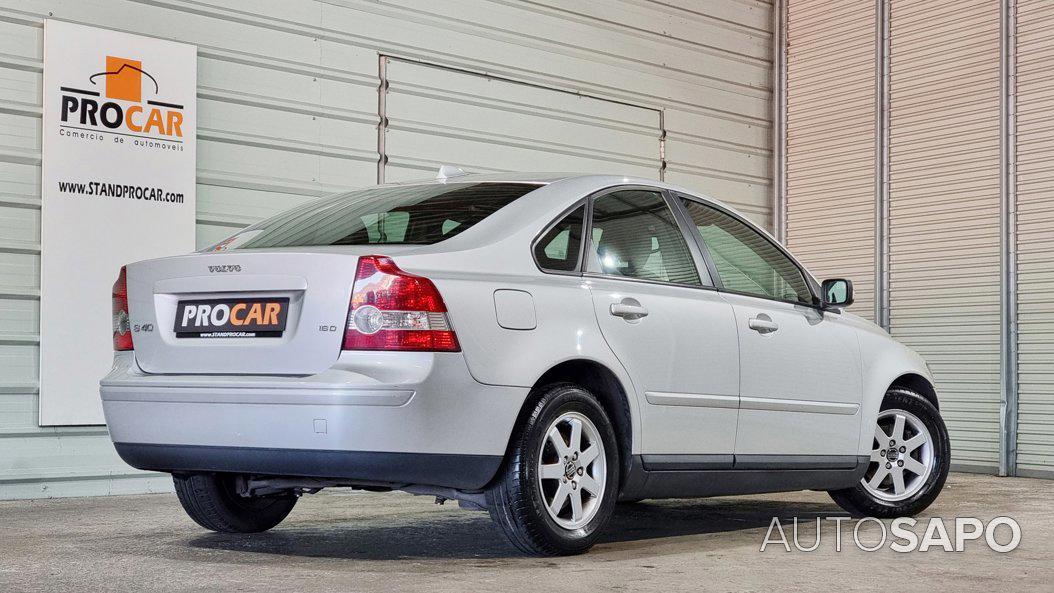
x=810 y=282
x=577 y=271
x=706 y=281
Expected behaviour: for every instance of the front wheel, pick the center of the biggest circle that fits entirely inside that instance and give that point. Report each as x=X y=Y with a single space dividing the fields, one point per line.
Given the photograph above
x=558 y=486
x=909 y=460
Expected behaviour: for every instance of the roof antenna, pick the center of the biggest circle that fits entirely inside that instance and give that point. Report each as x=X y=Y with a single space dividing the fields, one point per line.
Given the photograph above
x=447 y=171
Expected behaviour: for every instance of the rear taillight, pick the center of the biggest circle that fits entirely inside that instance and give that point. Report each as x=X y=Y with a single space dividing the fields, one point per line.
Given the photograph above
x=393 y=310
x=122 y=330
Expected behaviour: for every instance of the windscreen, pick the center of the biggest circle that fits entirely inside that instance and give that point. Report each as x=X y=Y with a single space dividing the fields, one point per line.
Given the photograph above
x=389 y=215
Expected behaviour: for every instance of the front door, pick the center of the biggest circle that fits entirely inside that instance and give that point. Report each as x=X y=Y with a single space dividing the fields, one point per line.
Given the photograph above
x=800 y=385
x=670 y=329
x=800 y=370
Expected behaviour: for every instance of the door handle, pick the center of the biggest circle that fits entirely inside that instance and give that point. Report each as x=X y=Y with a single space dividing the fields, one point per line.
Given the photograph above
x=763 y=324
x=629 y=309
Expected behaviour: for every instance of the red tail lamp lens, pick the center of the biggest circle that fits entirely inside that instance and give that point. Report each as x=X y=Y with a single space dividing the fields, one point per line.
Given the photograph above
x=122 y=331
x=394 y=310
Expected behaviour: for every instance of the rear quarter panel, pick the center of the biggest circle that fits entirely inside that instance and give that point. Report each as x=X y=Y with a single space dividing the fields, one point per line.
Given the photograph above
x=496 y=255
x=566 y=330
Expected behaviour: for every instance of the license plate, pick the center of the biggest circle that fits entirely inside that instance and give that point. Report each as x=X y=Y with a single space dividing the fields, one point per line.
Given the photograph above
x=232 y=318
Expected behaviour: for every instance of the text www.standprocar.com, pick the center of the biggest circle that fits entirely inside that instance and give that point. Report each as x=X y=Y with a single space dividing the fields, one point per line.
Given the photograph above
x=118 y=190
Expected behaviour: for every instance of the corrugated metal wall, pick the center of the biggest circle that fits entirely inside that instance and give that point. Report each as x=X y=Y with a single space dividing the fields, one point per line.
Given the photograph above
x=288 y=110
x=944 y=202
x=831 y=142
x=1035 y=210
x=484 y=124
x=971 y=219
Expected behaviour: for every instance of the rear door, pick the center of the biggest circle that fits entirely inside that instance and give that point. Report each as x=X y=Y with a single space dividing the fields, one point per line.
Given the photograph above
x=672 y=332
x=800 y=387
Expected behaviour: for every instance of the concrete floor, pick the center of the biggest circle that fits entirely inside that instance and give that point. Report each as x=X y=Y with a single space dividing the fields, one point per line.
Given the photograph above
x=338 y=541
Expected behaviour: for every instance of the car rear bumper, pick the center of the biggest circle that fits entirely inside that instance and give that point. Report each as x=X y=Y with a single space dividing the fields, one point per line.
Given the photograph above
x=373 y=418
x=463 y=472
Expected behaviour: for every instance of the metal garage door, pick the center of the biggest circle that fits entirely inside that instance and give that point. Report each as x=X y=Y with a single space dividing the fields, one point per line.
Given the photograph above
x=288 y=111
x=483 y=124
x=831 y=141
x=1035 y=210
x=944 y=209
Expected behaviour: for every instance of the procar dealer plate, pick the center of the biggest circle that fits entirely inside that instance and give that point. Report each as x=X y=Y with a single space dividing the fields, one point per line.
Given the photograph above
x=232 y=318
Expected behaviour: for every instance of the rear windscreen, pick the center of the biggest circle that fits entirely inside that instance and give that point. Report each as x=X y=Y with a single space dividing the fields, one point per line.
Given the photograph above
x=390 y=215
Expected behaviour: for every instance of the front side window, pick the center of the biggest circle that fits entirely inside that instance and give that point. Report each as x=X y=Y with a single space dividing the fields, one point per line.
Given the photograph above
x=635 y=235
x=386 y=215
x=746 y=261
x=558 y=249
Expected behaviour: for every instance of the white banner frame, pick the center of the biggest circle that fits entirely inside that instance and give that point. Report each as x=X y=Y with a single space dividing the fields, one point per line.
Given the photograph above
x=118 y=176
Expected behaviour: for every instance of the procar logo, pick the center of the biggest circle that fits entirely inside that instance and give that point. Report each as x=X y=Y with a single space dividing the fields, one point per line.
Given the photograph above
x=232 y=318
x=120 y=108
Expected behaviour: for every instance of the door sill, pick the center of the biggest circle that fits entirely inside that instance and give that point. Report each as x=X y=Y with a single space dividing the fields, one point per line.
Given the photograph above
x=691 y=462
x=687 y=476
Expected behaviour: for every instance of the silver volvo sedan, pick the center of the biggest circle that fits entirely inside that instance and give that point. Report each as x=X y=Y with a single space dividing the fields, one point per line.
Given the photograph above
x=538 y=347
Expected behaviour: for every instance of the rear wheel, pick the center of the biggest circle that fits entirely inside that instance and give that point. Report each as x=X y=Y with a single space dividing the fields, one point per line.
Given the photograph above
x=909 y=460
x=212 y=501
x=558 y=486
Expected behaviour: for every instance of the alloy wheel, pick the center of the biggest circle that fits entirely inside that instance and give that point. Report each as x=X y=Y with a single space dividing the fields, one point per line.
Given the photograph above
x=902 y=456
x=572 y=470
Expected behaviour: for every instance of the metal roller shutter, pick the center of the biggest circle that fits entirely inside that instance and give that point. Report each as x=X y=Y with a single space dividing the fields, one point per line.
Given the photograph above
x=288 y=110
x=831 y=141
x=944 y=209
x=436 y=115
x=1035 y=211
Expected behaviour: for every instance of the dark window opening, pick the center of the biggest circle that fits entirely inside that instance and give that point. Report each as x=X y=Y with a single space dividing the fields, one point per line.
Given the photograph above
x=388 y=215
x=558 y=250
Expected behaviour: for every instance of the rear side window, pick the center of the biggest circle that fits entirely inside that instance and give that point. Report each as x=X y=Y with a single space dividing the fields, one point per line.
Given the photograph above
x=391 y=215
x=636 y=236
x=558 y=249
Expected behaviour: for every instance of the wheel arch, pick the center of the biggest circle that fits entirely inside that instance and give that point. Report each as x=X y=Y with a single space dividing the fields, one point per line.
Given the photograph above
x=889 y=364
x=608 y=388
x=919 y=384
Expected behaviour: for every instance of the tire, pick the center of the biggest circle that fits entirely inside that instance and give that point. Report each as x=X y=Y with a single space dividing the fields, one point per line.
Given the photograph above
x=519 y=497
x=212 y=502
x=881 y=498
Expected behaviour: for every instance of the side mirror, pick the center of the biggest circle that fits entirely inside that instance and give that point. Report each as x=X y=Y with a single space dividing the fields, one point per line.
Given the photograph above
x=837 y=292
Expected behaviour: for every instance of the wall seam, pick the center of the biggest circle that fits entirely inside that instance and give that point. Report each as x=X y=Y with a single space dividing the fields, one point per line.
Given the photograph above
x=882 y=78
x=662 y=145
x=779 y=121
x=1008 y=335
x=382 y=116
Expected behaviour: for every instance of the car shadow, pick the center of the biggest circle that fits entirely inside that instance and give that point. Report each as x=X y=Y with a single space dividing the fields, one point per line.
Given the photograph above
x=664 y=519
x=472 y=535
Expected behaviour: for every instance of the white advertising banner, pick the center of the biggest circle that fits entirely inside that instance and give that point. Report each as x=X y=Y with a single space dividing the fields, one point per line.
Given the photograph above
x=117 y=185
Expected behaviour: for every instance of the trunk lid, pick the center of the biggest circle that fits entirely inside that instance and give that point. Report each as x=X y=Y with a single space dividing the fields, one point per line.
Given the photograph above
x=314 y=284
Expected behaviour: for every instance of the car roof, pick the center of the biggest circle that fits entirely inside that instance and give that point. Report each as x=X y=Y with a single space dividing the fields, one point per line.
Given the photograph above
x=545 y=178
x=581 y=184
x=506 y=177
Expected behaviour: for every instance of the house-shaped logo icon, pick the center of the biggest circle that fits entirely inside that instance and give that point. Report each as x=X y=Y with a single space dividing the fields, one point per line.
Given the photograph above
x=124 y=79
